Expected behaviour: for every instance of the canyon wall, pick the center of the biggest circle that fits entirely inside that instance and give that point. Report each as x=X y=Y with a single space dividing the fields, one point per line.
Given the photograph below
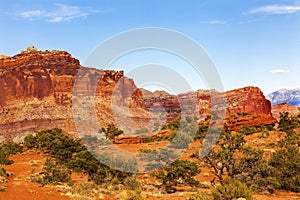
x=37 y=92
x=37 y=89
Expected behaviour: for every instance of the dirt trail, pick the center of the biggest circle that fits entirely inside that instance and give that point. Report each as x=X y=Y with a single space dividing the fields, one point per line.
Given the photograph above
x=20 y=187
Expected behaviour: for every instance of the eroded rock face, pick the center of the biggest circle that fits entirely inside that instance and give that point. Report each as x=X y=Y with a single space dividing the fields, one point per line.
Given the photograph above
x=37 y=92
x=245 y=101
x=248 y=100
x=247 y=106
x=284 y=107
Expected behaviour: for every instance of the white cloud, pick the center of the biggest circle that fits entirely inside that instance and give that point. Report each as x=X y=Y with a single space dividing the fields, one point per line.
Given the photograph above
x=279 y=71
x=275 y=9
x=216 y=22
x=32 y=13
x=61 y=13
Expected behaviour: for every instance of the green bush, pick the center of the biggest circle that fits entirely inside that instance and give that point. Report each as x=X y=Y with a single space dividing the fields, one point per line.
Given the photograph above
x=232 y=189
x=287 y=123
x=69 y=154
x=131 y=183
x=158 y=159
x=8 y=149
x=4 y=157
x=286 y=161
x=111 y=131
x=252 y=169
x=266 y=128
x=132 y=195
x=84 y=189
x=11 y=147
x=141 y=131
x=201 y=132
x=243 y=113
x=54 y=172
x=172 y=125
x=200 y=196
x=3 y=172
x=179 y=172
x=181 y=141
x=30 y=142
x=247 y=130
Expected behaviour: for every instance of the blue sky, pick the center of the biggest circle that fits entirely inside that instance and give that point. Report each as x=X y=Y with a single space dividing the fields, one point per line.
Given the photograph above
x=252 y=42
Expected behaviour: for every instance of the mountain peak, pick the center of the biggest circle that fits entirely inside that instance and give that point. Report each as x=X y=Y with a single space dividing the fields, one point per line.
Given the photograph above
x=285 y=96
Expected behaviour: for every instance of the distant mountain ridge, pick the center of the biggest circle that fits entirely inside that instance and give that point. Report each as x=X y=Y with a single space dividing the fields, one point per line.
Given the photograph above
x=291 y=97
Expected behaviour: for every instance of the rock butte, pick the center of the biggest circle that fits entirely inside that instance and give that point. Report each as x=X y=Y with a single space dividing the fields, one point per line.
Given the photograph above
x=284 y=107
x=37 y=93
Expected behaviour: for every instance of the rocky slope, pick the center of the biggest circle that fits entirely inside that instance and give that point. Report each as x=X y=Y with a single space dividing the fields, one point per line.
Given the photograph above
x=291 y=97
x=37 y=90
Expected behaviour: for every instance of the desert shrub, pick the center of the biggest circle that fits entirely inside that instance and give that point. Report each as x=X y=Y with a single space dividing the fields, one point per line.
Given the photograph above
x=263 y=134
x=94 y=142
x=272 y=144
x=156 y=127
x=8 y=149
x=173 y=125
x=131 y=183
x=265 y=128
x=30 y=142
x=4 y=158
x=181 y=140
x=132 y=195
x=200 y=196
x=243 y=113
x=158 y=159
x=249 y=168
x=232 y=189
x=286 y=161
x=141 y=130
x=247 y=130
x=84 y=161
x=208 y=117
x=147 y=139
x=223 y=160
x=59 y=145
x=84 y=189
x=11 y=147
x=69 y=154
x=54 y=172
x=287 y=122
x=3 y=187
x=201 y=132
x=3 y=172
x=111 y=131
x=179 y=172
x=253 y=170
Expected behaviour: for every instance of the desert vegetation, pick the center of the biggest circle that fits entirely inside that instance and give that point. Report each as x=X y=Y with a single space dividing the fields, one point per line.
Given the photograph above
x=238 y=169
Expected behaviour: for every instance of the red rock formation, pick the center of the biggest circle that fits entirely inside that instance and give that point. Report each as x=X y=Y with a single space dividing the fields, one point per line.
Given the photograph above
x=37 y=93
x=37 y=89
x=284 y=107
x=248 y=100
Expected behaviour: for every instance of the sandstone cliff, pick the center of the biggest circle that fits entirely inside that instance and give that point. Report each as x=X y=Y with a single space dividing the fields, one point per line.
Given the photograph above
x=248 y=101
x=37 y=87
x=37 y=92
x=284 y=107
